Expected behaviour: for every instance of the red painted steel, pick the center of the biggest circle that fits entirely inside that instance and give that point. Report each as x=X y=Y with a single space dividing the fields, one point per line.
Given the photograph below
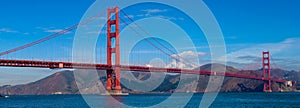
x=267 y=71
x=69 y=65
x=114 y=68
x=113 y=34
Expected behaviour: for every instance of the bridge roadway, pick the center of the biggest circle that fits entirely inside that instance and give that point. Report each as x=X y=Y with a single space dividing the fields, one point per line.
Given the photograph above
x=70 y=65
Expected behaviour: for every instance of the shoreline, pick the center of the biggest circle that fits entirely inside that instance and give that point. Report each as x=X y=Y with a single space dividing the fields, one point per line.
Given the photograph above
x=146 y=93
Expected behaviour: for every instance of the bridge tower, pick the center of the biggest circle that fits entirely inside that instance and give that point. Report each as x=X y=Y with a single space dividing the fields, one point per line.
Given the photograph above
x=267 y=71
x=113 y=51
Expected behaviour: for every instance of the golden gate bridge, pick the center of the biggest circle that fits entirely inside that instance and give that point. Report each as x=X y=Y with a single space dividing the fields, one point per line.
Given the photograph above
x=113 y=85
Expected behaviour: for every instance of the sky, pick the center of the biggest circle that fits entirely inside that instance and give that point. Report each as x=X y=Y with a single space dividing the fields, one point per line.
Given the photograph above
x=248 y=26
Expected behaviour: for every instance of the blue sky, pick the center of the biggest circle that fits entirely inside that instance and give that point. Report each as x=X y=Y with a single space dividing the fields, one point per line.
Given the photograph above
x=249 y=27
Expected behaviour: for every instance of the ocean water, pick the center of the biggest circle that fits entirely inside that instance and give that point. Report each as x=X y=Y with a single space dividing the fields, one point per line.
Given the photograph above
x=223 y=100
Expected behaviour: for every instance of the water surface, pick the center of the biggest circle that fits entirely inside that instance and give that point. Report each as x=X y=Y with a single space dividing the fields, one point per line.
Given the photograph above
x=223 y=100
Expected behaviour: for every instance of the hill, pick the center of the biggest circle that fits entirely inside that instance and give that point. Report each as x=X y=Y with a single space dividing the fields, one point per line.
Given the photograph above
x=59 y=82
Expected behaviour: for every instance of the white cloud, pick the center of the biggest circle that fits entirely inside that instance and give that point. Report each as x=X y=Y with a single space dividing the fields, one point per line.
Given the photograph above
x=186 y=60
x=130 y=16
x=149 y=65
x=157 y=62
x=149 y=11
x=169 y=18
x=290 y=40
x=181 y=65
x=287 y=51
x=190 y=54
x=160 y=16
x=255 y=51
x=52 y=30
x=154 y=13
x=7 y=30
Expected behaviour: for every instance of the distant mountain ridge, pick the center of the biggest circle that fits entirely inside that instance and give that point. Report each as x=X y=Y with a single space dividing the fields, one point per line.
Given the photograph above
x=64 y=83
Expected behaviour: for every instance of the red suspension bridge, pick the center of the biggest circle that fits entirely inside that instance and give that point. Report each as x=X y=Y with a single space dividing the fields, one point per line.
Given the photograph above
x=114 y=68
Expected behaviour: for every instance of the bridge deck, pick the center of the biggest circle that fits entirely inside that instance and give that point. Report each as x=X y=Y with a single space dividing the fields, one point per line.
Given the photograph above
x=69 y=65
